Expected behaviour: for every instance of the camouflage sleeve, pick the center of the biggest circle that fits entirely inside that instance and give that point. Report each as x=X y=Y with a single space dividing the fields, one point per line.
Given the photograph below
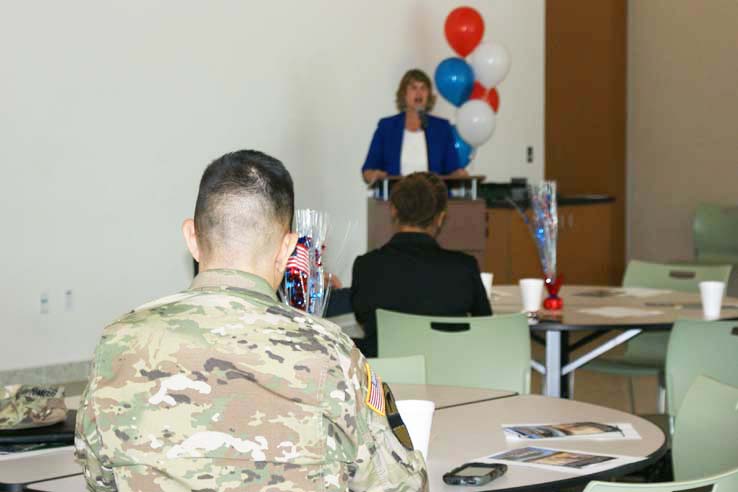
x=87 y=447
x=382 y=461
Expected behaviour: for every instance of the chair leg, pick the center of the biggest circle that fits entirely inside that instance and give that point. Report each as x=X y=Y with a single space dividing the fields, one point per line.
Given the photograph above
x=570 y=381
x=661 y=402
x=631 y=390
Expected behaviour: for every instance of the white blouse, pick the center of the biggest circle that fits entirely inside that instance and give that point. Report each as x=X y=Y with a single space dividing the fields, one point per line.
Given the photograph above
x=414 y=154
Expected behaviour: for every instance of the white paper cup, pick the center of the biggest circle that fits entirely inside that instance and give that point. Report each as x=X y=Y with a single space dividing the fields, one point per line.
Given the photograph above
x=531 y=292
x=711 y=293
x=487 y=282
x=417 y=416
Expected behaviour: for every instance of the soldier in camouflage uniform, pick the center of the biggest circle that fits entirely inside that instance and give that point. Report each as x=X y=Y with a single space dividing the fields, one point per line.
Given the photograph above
x=221 y=387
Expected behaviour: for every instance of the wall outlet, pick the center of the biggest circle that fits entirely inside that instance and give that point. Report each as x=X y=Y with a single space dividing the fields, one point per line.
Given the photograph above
x=529 y=154
x=68 y=300
x=44 y=303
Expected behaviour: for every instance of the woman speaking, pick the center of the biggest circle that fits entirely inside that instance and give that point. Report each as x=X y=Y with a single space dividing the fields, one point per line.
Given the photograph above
x=412 y=140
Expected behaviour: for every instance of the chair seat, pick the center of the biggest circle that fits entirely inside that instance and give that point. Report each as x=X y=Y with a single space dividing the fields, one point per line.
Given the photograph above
x=629 y=367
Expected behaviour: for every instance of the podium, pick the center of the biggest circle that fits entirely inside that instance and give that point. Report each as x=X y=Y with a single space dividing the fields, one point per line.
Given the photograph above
x=465 y=228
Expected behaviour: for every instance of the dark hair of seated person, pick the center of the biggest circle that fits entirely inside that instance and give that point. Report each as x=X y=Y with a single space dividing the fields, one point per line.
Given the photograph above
x=417 y=200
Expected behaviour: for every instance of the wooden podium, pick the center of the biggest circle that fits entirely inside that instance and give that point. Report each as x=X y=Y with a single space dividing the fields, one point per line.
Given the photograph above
x=465 y=225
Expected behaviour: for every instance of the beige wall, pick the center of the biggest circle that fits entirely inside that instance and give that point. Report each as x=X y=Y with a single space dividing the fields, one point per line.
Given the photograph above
x=682 y=111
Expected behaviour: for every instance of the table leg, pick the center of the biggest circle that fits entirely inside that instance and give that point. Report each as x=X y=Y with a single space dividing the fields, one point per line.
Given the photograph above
x=564 y=358
x=553 y=363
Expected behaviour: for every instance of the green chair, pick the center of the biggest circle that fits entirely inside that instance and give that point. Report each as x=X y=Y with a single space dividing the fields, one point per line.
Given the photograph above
x=715 y=236
x=707 y=348
x=645 y=354
x=724 y=482
x=400 y=370
x=482 y=352
x=705 y=450
x=706 y=433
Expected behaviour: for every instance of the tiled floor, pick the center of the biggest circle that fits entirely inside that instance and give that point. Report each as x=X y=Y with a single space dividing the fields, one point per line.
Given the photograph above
x=606 y=390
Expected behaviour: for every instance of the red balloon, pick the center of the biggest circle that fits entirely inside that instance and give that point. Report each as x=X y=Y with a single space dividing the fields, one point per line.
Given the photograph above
x=478 y=91
x=492 y=96
x=464 y=30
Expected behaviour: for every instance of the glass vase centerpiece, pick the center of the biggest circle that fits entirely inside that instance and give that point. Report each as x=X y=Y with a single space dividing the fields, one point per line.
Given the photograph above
x=544 y=228
x=306 y=285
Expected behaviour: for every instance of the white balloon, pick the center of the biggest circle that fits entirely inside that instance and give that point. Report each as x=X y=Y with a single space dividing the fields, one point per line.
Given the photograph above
x=490 y=62
x=475 y=121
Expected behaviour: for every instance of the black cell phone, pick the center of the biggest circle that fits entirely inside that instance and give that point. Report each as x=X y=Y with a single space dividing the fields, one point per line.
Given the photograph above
x=475 y=473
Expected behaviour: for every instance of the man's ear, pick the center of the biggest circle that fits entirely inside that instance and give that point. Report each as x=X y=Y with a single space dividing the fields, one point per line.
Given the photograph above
x=440 y=220
x=190 y=237
x=286 y=247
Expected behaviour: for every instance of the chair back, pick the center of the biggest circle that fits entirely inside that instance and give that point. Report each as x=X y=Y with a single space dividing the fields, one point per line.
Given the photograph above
x=723 y=482
x=707 y=348
x=651 y=347
x=715 y=231
x=483 y=352
x=706 y=435
x=683 y=278
x=400 y=370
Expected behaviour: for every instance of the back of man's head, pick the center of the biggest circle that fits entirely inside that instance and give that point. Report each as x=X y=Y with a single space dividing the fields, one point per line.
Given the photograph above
x=244 y=208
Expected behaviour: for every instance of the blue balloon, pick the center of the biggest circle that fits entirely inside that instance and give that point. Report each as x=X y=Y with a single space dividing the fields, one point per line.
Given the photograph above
x=463 y=149
x=455 y=80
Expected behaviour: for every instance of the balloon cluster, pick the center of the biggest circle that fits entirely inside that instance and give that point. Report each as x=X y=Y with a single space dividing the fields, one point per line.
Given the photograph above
x=305 y=285
x=471 y=85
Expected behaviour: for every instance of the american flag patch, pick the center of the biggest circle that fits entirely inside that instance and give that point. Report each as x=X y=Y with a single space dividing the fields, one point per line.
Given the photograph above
x=300 y=259
x=374 y=393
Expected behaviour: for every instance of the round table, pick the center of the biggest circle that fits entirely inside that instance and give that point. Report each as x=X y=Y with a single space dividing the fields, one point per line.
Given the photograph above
x=466 y=426
x=600 y=310
x=464 y=433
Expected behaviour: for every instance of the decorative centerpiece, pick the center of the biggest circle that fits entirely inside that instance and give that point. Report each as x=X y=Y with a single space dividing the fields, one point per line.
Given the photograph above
x=306 y=286
x=545 y=229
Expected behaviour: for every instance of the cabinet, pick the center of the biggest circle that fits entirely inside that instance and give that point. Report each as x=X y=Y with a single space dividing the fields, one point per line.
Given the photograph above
x=463 y=230
x=585 y=249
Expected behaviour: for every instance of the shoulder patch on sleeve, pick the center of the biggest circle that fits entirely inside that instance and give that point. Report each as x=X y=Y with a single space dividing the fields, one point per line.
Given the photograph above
x=374 y=392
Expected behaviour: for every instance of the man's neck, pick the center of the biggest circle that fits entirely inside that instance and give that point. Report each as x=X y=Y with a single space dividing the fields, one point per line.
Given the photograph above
x=243 y=266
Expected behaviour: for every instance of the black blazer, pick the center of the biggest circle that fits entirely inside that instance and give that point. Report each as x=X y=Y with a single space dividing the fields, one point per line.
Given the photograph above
x=413 y=274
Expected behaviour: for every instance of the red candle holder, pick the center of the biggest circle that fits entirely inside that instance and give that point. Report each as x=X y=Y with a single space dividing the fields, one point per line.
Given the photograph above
x=553 y=302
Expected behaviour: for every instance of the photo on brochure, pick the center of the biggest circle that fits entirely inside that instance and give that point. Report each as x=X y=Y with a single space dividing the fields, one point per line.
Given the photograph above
x=551 y=457
x=554 y=431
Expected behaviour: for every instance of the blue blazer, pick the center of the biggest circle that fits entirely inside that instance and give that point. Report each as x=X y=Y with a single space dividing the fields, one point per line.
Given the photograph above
x=386 y=147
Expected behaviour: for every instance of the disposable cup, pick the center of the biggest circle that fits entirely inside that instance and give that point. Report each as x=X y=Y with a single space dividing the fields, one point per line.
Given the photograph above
x=531 y=292
x=711 y=293
x=417 y=416
x=487 y=282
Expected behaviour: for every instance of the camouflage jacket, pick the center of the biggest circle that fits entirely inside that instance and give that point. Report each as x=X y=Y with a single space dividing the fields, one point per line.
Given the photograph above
x=26 y=406
x=222 y=388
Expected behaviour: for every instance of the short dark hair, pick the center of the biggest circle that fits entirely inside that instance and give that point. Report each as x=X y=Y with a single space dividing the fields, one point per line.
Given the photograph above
x=246 y=188
x=419 y=198
x=414 y=75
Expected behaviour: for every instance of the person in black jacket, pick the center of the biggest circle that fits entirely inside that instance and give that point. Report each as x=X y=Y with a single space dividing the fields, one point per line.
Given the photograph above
x=412 y=273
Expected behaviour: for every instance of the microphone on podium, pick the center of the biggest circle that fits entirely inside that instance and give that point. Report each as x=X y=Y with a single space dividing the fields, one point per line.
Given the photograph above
x=423 y=115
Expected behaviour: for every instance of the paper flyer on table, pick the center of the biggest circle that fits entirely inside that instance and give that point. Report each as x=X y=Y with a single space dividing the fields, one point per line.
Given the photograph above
x=567 y=461
x=619 y=312
x=569 y=431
